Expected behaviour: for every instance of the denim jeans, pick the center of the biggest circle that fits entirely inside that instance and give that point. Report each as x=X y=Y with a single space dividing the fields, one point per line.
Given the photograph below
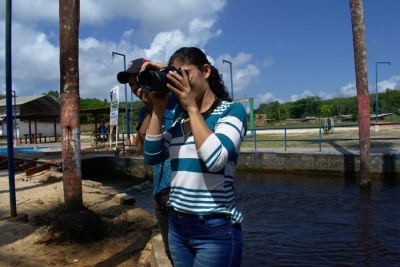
x=210 y=241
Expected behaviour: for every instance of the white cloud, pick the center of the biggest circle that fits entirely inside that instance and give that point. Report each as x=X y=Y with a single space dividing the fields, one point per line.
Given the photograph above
x=34 y=11
x=392 y=83
x=268 y=62
x=304 y=94
x=348 y=90
x=243 y=72
x=35 y=39
x=34 y=60
x=264 y=99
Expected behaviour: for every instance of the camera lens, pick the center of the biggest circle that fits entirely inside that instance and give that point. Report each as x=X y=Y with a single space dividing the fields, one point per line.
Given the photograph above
x=151 y=81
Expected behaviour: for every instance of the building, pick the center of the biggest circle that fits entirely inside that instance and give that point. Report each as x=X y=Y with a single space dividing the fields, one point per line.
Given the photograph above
x=260 y=119
x=37 y=118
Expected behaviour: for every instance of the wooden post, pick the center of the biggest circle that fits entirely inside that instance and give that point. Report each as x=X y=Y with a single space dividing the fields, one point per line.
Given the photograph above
x=360 y=59
x=69 y=103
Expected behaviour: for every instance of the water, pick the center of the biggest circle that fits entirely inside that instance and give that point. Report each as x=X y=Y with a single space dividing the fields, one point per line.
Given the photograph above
x=299 y=220
x=295 y=220
x=31 y=150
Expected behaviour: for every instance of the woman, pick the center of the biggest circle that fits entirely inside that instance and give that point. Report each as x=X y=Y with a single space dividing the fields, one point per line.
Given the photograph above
x=203 y=145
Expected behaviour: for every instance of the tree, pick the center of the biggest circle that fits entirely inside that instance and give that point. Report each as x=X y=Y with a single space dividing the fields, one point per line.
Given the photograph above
x=326 y=110
x=91 y=103
x=339 y=103
x=53 y=94
x=390 y=100
x=305 y=107
x=278 y=111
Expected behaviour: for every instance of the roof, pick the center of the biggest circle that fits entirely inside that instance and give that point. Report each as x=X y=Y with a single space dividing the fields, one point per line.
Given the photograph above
x=42 y=106
x=20 y=100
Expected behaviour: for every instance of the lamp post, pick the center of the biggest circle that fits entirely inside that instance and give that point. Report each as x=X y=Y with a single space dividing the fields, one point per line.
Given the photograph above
x=126 y=96
x=230 y=64
x=15 y=116
x=376 y=93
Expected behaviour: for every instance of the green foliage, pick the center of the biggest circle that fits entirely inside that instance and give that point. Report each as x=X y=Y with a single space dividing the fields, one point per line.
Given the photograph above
x=93 y=103
x=88 y=103
x=53 y=94
x=305 y=107
x=326 y=110
x=275 y=111
x=389 y=102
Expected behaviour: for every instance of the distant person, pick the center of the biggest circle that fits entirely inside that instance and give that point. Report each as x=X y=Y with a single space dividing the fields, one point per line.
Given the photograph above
x=107 y=131
x=203 y=146
x=161 y=171
x=103 y=132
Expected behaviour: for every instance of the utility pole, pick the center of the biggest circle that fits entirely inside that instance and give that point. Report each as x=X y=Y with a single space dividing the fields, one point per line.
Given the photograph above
x=69 y=103
x=360 y=59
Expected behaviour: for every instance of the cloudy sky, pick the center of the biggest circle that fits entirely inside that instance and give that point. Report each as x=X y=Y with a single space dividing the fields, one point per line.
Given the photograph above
x=280 y=50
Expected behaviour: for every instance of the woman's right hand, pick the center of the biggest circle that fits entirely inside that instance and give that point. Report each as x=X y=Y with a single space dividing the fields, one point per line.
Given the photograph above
x=159 y=105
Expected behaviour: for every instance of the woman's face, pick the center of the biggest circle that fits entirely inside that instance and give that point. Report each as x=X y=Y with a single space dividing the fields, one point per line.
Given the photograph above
x=197 y=77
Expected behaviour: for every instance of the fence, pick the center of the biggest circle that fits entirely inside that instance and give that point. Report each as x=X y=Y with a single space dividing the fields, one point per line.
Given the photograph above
x=304 y=134
x=379 y=132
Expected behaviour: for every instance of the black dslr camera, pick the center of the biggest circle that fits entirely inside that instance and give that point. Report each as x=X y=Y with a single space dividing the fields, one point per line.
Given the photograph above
x=156 y=81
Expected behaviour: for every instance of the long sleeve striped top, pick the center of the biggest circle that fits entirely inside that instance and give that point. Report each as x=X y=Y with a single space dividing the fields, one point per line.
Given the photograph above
x=202 y=180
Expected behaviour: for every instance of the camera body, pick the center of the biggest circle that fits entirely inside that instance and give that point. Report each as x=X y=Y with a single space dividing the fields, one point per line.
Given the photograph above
x=150 y=81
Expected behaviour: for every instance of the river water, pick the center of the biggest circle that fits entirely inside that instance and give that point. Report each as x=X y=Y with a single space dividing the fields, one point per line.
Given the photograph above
x=303 y=220
x=300 y=220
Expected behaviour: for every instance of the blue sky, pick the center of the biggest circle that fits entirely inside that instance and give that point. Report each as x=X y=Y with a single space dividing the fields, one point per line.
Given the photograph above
x=280 y=50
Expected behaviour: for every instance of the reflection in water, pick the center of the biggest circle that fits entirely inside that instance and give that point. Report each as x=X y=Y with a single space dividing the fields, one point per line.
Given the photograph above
x=317 y=221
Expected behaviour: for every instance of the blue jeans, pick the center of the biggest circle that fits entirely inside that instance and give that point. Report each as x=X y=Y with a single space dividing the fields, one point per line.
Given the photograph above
x=209 y=240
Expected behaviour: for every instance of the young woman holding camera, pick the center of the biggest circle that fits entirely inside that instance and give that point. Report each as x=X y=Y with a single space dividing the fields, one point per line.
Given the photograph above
x=203 y=145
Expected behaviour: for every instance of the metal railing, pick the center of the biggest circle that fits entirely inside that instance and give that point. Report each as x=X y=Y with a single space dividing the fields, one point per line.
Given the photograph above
x=257 y=135
x=128 y=145
x=291 y=134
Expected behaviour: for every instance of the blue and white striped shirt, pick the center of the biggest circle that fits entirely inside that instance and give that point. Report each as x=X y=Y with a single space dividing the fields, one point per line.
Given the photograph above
x=202 y=180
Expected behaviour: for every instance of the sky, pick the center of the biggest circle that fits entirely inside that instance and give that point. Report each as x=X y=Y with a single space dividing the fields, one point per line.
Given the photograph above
x=280 y=50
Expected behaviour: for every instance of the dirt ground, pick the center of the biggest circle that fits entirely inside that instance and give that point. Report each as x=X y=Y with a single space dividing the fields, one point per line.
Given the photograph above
x=25 y=243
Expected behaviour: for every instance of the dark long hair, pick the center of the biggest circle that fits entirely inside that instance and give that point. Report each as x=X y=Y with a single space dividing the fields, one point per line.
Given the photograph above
x=196 y=57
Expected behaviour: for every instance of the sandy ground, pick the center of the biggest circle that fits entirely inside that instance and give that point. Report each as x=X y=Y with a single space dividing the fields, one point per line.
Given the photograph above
x=25 y=244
